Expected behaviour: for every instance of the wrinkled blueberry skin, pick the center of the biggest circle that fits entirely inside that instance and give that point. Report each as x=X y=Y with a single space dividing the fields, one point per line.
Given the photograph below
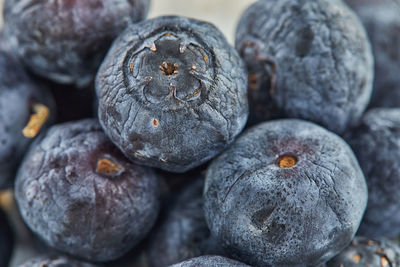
x=382 y=21
x=179 y=117
x=74 y=208
x=6 y=239
x=66 y=41
x=18 y=93
x=306 y=59
x=376 y=144
x=55 y=261
x=183 y=233
x=205 y=261
x=368 y=252
x=270 y=216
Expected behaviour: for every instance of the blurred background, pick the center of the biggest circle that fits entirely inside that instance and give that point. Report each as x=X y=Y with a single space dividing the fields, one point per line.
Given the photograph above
x=224 y=14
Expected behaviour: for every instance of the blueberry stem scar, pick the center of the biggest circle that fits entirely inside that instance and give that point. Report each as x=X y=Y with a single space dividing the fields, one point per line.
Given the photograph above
x=6 y=200
x=286 y=161
x=36 y=121
x=167 y=68
x=107 y=167
x=384 y=261
x=356 y=258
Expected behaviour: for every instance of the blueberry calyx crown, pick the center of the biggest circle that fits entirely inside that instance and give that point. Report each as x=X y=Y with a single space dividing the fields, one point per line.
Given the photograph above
x=173 y=65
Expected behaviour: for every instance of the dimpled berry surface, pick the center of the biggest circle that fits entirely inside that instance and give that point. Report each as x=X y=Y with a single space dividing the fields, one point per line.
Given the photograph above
x=18 y=94
x=79 y=194
x=286 y=193
x=377 y=145
x=368 y=252
x=172 y=93
x=183 y=232
x=306 y=59
x=381 y=19
x=66 y=40
x=205 y=261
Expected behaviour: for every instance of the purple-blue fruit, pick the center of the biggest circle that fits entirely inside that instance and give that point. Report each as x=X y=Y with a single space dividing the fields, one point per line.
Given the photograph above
x=286 y=193
x=381 y=19
x=183 y=232
x=65 y=41
x=79 y=194
x=368 y=252
x=20 y=98
x=306 y=59
x=206 y=261
x=172 y=93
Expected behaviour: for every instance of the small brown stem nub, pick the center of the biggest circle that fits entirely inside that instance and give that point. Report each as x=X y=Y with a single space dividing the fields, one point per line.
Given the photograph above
x=107 y=167
x=384 y=261
x=356 y=258
x=167 y=68
x=286 y=161
x=36 y=121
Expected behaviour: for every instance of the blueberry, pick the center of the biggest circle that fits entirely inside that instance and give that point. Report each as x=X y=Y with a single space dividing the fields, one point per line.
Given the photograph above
x=376 y=144
x=206 y=261
x=382 y=22
x=6 y=239
x=65 y=41
x=183 y=233
x=79 y=194
x=286 y=193
x=306 y=59
x=55 y=261
x=20 y=99
x=368 y=252
x=172 y=93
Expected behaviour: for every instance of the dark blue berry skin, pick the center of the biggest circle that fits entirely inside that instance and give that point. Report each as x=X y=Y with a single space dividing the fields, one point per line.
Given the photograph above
x=267 y=212
x=376 y=144
x=368 y=252
x=183 y=232
x=206 y=261
x=18 y=94
x=172 y=93
x=381 y=19
x=77 y=203
x=55 y=261
x=306 y=59
x=6 y=239
x=65 y=41
x=73 y=103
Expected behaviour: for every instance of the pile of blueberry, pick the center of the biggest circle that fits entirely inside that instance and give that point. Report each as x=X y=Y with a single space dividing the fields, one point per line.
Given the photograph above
x=122 y=137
